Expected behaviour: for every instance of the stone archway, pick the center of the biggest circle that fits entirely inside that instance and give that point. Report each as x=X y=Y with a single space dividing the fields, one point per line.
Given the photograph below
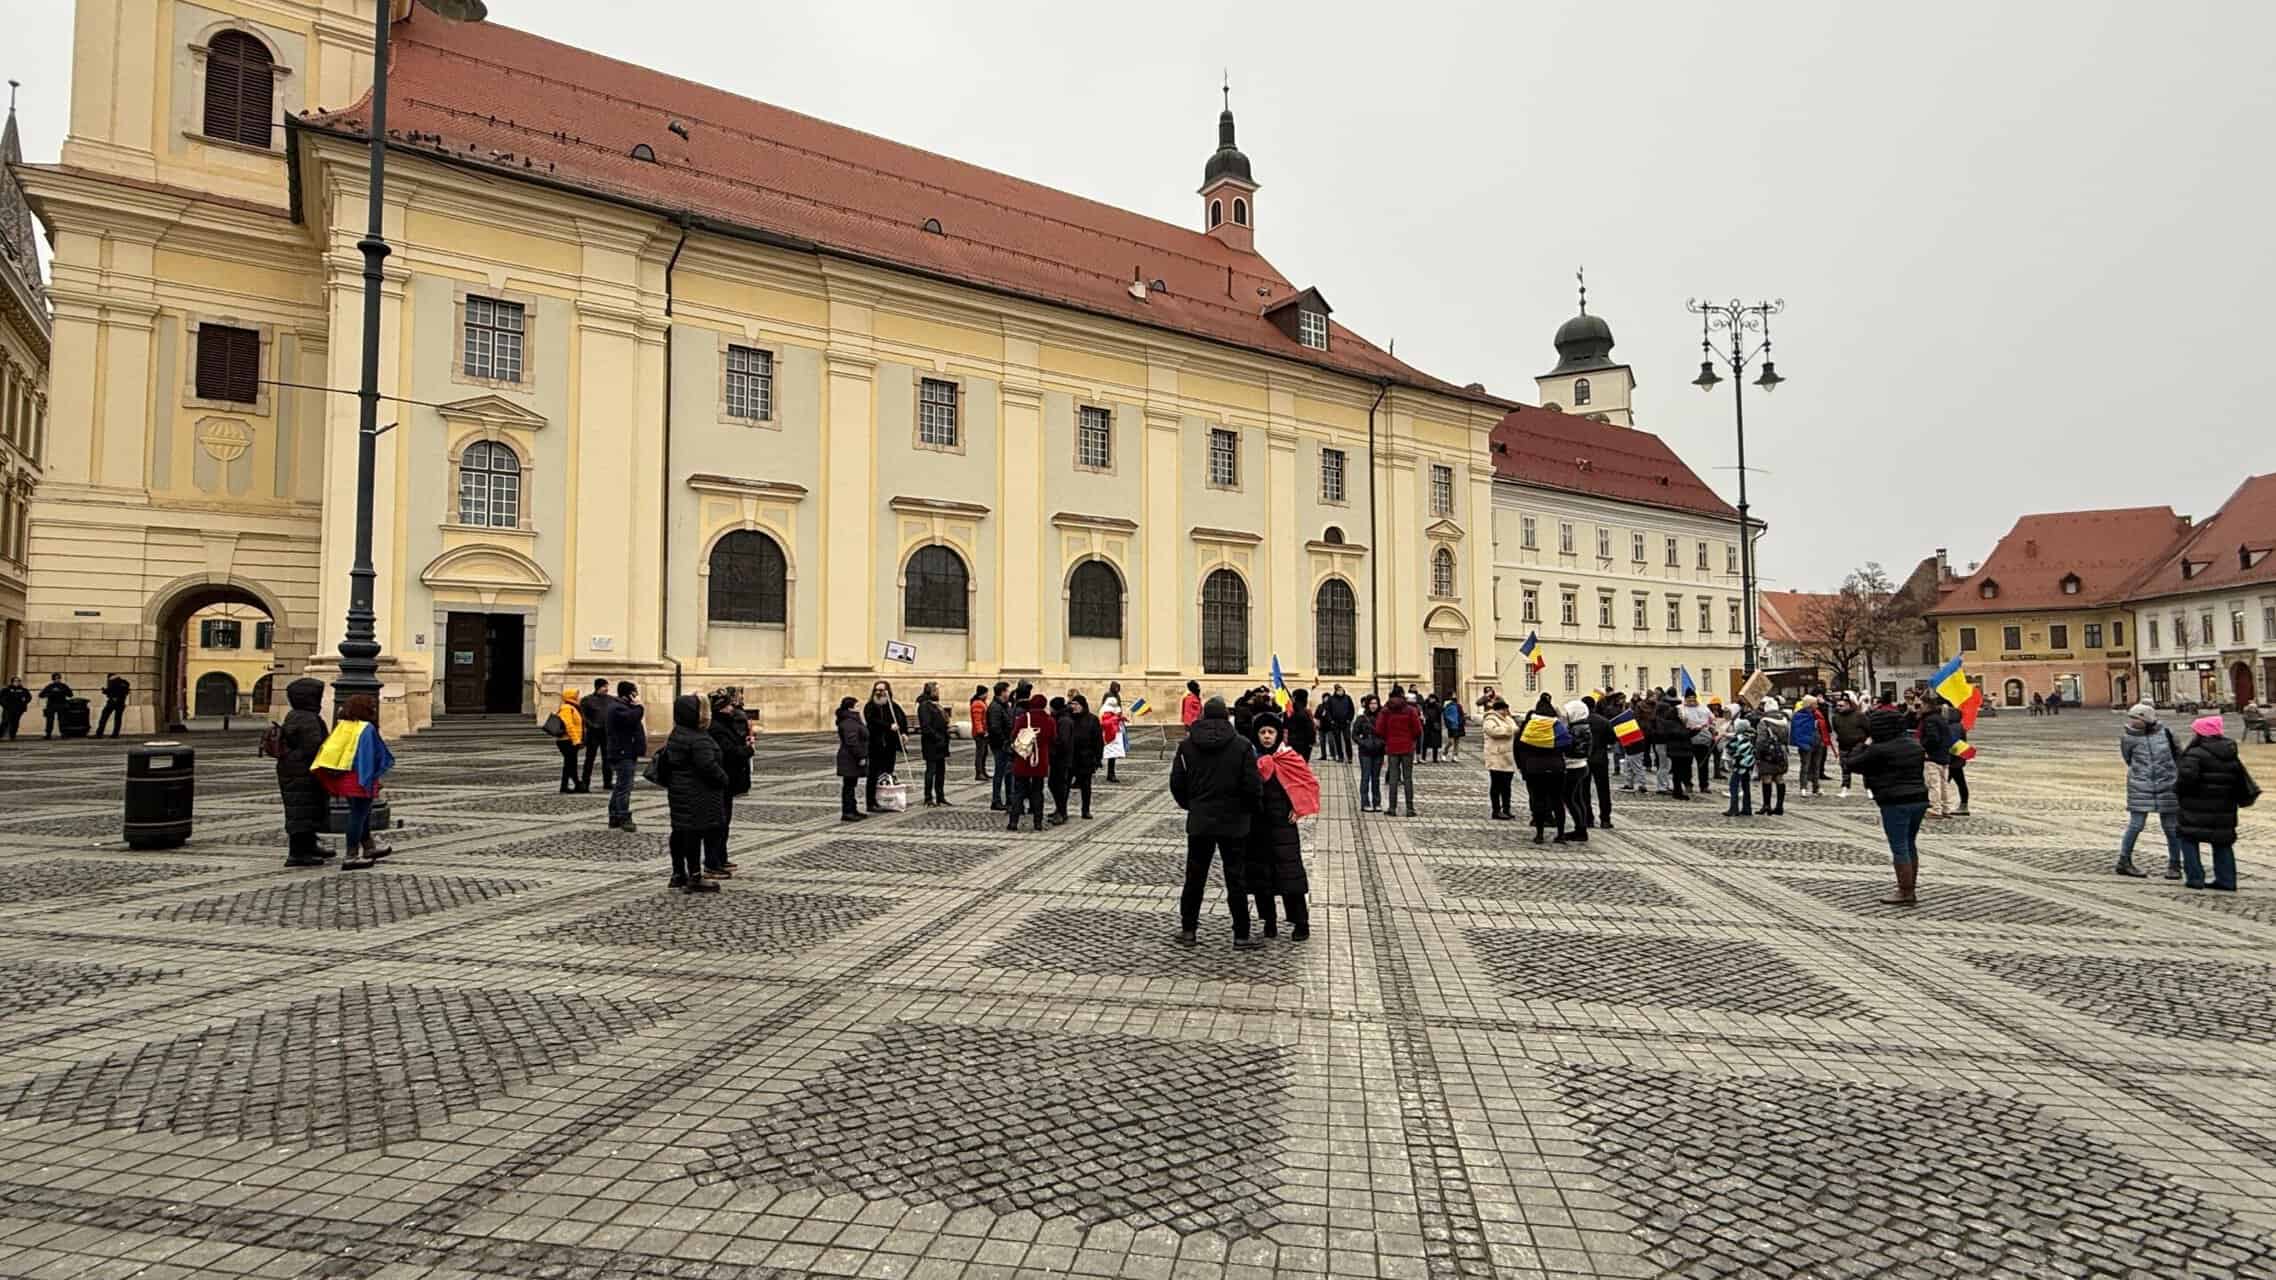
x=164 y=677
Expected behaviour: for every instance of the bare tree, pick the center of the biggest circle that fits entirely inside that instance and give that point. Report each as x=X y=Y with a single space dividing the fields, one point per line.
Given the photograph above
x=1854 y=626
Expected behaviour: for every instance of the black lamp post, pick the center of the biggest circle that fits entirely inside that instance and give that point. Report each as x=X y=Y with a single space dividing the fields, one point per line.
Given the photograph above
x=359 y=648
x=1736 y=320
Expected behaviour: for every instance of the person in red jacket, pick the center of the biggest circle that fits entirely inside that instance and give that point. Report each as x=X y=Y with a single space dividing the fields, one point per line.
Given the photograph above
x=1401 y=728
x=1190 y=710
x=1031 y=769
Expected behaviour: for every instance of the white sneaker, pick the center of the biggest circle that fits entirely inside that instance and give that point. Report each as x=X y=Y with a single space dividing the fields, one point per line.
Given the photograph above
x=1844 y=794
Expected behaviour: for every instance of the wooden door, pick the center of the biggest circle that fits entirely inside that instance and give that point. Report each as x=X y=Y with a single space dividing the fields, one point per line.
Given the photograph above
x=1446 y=672
x=466 y=659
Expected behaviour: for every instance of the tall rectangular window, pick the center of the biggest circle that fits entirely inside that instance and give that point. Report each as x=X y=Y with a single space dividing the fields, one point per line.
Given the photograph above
x=1706 y=616
x=2059 y=636
x=2093 y=635
x=494 y=331
x=2118 y=634
x=2236 y=626
x=264 y=635
x=1527 y=531
x=1529 y=605
x=2267 y=622
x=1967 y=639
x=1224 y=458
x=229 y=364
x=1094 y=438
x=2205 y=627
x=1730 y=559
x=1569 y=608
x=1331 y=475
x=1312 y=330
x=1674 y=559
x=1604 y=544
x=1675 y=613
x=2153 y=635
x=1604 y=609
x=936 y=413
x=1736 y=628
x=1572 y=677
x=1565 y=537
x=1636 y=547
x=750 y=384
x=2011 y=639
x=1643 y=613
x=1442 y=491
x=1605 y=678
x=1643 y=678
x=1702 y=557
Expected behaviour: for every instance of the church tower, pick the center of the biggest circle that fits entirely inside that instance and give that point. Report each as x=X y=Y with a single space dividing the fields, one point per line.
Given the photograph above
x=1228 y=193
x=1587 y=380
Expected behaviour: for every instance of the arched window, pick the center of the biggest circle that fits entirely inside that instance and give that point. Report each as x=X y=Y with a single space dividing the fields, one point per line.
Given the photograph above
x=934 y=599
x=1094 y=601
x=240 y=89
x=1240 y=212
x=1442 y=572
x=1580 y=391
x=216 y=694
x=1335 y=629
x=1334 y=535
x=1224 y=623
x=748 y=579
x=1216 y=212
x=490 y=486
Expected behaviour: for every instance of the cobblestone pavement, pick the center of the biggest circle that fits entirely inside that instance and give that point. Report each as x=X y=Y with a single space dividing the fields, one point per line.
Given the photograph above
x=922 y=1048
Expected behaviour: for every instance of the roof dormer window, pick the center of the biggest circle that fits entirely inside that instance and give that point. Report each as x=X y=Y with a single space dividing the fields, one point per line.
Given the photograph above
x=1989 y=591
x=2249 y=557
x=2070 y=584
x=1312 y=329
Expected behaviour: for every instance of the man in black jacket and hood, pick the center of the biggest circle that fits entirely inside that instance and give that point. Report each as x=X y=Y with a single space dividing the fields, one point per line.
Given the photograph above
x=1214 y=779
x=594 y=707
x=307 y=808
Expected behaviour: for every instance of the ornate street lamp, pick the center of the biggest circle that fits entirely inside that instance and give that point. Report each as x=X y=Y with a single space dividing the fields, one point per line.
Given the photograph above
x=1736 y=320
x=359 y=647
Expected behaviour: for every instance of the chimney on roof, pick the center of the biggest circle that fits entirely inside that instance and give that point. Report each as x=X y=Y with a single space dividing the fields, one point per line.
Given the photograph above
x=2031 y=548
x=1228 y=191
x=1943 y=564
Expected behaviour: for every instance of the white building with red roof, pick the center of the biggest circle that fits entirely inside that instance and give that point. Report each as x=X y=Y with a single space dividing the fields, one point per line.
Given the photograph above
x=2206 y=609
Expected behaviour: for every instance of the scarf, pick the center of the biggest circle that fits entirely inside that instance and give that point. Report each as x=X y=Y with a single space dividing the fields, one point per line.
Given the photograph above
x=1295 y=777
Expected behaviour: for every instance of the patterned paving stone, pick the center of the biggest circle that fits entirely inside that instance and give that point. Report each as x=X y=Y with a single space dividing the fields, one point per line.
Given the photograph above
x=1507 y=837
x=2073 y=859
x=404 y=834
x=110 y=824
x=1176 y=1133
x=1969 y=903
x=1553 y=884
x=362 y=900
x=356 y=1067
x=594 y=843
x=2194 y=999
x=1778 y=1176
x=1958 y=828
x=27 y=986
x=62 y=877
x=1136 y=944
x=1675 y=973
x=1149 y=864
x=734 y=922
x=2260 y=908
x=1773 y=849
x=548 y=803
x=889 y=857
x=976 y=818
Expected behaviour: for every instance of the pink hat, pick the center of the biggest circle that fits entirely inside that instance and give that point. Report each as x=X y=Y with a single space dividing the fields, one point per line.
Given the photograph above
x=2206 y=726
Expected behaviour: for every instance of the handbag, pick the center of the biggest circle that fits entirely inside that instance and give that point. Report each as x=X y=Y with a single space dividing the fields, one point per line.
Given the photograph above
x=554 y=728
x=272 y=741
x=2248 y=790
x=892 y=794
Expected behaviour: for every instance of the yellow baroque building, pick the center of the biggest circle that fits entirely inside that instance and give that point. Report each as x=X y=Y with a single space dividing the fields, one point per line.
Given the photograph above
x=696 y=391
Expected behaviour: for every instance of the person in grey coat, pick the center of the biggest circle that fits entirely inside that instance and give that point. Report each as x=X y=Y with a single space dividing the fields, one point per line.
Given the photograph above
x=2153 y=768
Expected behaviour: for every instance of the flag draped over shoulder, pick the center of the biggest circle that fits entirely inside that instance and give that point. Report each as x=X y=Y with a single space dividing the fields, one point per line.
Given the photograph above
x=354 y=750
x=1296 y=778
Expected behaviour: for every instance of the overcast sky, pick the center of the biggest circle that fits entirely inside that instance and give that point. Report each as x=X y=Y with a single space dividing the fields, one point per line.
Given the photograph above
x=2024 y=245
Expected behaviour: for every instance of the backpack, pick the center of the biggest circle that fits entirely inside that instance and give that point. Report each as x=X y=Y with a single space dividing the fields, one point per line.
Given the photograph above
x=1024 y=746
x=272 y=742
x=554 y=728
x=1769 y=751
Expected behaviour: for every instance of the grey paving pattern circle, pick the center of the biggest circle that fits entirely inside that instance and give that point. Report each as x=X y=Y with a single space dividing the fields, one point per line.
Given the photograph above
x=1136 y=944
x=1952 y=901
x=1149 y=864
x=1553 y=884
x=2199 y=998
x=70 y=877
x=340 y=900
x=1960 y=828
x=1774 y=849
x=888 y=857
x=356 y=1067
x=736 y=922
x=594 y=843
x=1146 y=1132
x=1769 y=1175
x=27 y=986
x=1674 y=973
x=552 y=803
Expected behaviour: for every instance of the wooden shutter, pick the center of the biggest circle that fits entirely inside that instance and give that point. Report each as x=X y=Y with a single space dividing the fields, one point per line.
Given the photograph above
x=229 y=364
x=240 y=89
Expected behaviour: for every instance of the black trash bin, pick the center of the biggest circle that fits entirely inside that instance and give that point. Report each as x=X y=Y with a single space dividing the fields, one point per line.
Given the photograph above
x=73 y=723
x=161 y=789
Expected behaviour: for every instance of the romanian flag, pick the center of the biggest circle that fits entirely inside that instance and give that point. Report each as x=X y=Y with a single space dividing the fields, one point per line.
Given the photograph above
x=1279 y=686
x=1531 y=652
x=1952 y=684
x=1625 y=728
x=1962 y=751
x=1139 y=707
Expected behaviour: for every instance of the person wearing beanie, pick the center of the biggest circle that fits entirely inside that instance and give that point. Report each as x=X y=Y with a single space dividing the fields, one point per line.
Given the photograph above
x=1302 y=732
x=695 y=782
x=1576 y=769
x=2153 y=768
x=1215 y=779
x=1773 y=738
x=1892 y=766
x=932 y=742
x=853 y=756
x=1500 y=730
x=1542 y=737
x=1288 y=792
x=2212 y=784
x=1034 y=734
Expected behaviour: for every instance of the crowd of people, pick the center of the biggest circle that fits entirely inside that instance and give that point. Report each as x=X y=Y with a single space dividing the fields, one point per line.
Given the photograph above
x=55 y=698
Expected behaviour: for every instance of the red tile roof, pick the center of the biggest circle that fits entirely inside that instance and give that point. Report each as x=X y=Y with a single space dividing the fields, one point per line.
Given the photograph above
x=505 y=100
x=1565 y=451
x=1782 y=615
x=2216 y=550
x=2106 y=549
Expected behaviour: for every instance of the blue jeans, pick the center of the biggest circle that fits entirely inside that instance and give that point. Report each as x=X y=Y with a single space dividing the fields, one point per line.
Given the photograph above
x=620 y=792
x=1901 y=824
x=2224 y=864
x=2135 y=821
x=1742 y=795
x=359 y=823
x=1370 y=782
x=1000 y=783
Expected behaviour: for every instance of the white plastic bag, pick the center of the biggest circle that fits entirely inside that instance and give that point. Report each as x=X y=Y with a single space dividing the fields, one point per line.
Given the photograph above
x=892 y=796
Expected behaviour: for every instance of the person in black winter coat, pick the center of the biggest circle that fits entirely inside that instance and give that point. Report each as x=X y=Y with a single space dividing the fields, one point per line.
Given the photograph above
x=307 y=809
x=1000 y=717
x=1086 y=746
x=1275 y=865
x=1671 y=741
x=1302 y=734
x=115 y=690
x=730 y=731
x=1601 y=738
x=1214 y=779
x=1062 y=760
x=853 y=757
x=53 y=697
x=594 y=707
x=932 y=741
x=887 y=724
x=696 y=785
x=1543 y=768
x=2213 y=785
x=14 y=700
x=1894 y=768
x=1936 y=757
x=627 y=732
